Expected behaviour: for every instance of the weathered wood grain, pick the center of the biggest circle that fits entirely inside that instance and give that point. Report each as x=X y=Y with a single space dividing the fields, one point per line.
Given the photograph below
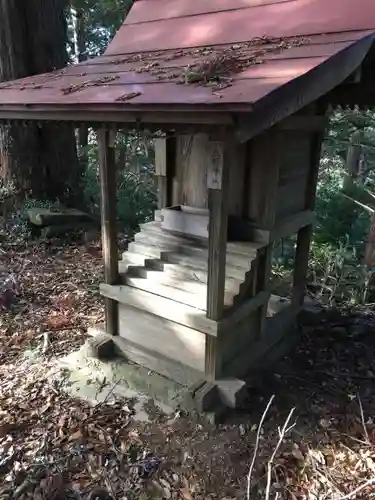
x=166 y=308
x=191 y=169
x=174 y=219
x=109 y=228
x=217 y=248
x=157 y=362
x=305 y=233
x=172 y=340
x=292 y=224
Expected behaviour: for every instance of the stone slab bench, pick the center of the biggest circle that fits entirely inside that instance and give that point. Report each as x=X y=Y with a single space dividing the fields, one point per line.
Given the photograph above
x=43 y=217
x=49 y=223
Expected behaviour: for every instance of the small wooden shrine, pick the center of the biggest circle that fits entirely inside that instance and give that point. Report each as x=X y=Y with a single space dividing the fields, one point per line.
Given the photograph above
x=237 y=100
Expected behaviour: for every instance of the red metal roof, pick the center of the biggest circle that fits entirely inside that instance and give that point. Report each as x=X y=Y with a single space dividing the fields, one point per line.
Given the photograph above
x=267 y=43
x=169 y=24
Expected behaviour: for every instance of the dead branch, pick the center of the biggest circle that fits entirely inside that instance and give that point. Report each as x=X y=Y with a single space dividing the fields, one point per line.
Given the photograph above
x=357 y=490
x=282 y=433
x=363 y=420
x=257 y=446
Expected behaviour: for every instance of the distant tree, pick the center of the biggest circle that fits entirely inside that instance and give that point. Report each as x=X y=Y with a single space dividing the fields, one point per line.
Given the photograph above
x=40 y=160
x=100 y=20
x=91 y=26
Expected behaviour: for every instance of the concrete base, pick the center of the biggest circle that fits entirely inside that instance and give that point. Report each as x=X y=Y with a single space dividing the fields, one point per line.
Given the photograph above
x=88 y=378
x=212 y=399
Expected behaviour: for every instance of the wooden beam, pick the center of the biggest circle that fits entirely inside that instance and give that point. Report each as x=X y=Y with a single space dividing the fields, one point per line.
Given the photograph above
x=166 y=308
x=114 y=114
x=240 y=229
x=109 y=226
x=305 y=123
x=352 y=94
x=264 y=168
x=292 y=224
x=243 y=311
x=262 y=282
x=305 y=233
x=237 y=183
x=217 y=183
x=264 y=182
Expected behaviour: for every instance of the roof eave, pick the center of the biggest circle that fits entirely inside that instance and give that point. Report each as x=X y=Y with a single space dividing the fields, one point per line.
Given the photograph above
x=198 y=114
x=304 y=90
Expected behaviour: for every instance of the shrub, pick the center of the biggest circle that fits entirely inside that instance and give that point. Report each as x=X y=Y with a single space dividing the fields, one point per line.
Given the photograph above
x=136 y=193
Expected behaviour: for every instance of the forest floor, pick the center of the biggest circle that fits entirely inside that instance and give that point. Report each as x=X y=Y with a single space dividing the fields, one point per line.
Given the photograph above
x=54 y=446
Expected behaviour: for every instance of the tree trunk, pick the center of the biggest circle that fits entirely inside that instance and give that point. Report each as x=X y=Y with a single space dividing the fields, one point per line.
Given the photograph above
x=353 y=164
x=81 y=55
x=39 y=160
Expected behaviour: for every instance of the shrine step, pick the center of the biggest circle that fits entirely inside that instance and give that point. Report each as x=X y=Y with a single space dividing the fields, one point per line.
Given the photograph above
x=182 y=267
x=153 y=233
x=236 y=268
x=168 y=274
x=190 y=293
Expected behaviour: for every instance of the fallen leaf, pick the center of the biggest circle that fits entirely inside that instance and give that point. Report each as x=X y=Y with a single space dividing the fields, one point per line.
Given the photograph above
x=76 y=436
x=298 y=455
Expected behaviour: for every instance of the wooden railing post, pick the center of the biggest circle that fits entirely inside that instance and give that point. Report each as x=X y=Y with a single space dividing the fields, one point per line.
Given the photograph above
x=304 y=235
x=265 y=173
x=109 y=224
x=217 y=184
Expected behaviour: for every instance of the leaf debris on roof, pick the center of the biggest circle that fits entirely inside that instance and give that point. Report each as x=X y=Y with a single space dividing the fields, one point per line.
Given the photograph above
x=220 y=63
x=128 y=96
x=89 y=83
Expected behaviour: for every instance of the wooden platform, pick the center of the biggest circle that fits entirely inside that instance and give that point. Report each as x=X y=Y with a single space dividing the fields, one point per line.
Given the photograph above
x=190 y=299
x=162 y=302
x=174 y=335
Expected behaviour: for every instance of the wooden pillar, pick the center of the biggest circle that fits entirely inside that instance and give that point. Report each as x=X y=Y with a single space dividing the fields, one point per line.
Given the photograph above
x=165 y=160
x=266 y=156
x=109 y=226
x=191 y=175
x=161 y=171
x=304 y=235
x=217 y=184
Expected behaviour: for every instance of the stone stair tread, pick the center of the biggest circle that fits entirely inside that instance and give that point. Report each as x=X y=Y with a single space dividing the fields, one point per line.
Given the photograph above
x=189 y=293
x=185 y=297
x=131 y=259
x=170 y=279
x=164 y=250
x=177 y=270
x=155 y=229
x=161 y=240
x=235 y=247
x=189 y=263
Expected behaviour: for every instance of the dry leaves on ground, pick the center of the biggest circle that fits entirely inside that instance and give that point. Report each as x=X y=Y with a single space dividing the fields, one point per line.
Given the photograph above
x=54 y=446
